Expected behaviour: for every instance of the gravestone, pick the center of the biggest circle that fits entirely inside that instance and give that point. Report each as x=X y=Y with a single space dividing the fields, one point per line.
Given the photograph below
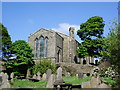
x=44 y=77
x=28 y=73
x=67 y=74
x=84 y=75
x=5 y=82
x=103 y=85
x=95 y=81
x=34 y=77
x=11 y=77
x=59 y=73
x=86 y=85
x=80 y=75
x=38 y=76
x=77 y=75
x=51 y=81
x=49 y=72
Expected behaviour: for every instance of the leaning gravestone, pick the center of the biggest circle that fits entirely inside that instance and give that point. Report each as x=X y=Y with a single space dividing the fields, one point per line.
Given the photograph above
x=38 y=76
x=59 y=73
x=12 y=76
x=51 y=81
x=49 y=72
x=44 y=77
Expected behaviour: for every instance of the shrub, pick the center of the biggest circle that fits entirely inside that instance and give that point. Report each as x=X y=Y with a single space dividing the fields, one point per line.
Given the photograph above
x=43 y=66
x=109 y=72
x=70 y=69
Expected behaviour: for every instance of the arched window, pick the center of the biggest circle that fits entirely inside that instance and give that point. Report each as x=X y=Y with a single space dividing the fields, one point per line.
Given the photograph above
x=46 y=47
x=36 y=48
x=41 y=46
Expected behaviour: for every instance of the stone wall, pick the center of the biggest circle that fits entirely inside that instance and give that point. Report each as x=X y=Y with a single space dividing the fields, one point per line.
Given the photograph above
x=50 y=34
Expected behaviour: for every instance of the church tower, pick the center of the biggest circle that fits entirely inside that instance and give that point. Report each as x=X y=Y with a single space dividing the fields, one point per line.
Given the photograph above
x=71 y=44
x=71 y=32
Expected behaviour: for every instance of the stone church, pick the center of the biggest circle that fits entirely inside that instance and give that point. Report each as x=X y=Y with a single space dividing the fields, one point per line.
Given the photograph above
x=56 y=46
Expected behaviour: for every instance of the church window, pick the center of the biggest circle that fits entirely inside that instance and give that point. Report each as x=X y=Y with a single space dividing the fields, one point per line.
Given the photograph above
x=46 y=48
x=36 y=49
x=41 y=47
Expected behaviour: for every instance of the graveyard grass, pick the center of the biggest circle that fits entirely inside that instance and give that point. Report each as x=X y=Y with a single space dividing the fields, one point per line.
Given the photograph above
x=28 y=84
x=42 y=84
x=76 y=81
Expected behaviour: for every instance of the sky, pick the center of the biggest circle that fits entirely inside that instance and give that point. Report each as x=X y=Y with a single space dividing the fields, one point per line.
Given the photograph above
x=24 y=18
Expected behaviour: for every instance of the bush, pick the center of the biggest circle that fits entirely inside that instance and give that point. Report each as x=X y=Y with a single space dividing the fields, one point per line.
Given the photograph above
x=43 y=66
x=109 y=72
x=70 y=69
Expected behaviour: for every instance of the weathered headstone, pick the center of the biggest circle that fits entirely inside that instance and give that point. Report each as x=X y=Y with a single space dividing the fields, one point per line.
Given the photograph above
x=95 y=82
x=38 y=76
x=67 y=74
x=5 y=82
x=44 y=77
x=84 y=75
x=86 y=85
x=51 y=81
x=77 y=75
x=34 y=77
x=28 y=73
x=80 y=75
x=12 y=76
x=103 y=85
x=49 y=72
x=59 y=73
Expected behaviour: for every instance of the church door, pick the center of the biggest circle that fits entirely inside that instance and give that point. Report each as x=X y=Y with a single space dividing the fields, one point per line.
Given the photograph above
x=58 y=56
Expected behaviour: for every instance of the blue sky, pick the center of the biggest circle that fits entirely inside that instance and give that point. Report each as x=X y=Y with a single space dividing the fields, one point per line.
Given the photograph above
x=24 y=18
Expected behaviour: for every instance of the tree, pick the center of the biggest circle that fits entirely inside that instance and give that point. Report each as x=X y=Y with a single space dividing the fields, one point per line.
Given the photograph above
x=113 y=44
x=91 y=32
x=23 y=60
x=6 y=42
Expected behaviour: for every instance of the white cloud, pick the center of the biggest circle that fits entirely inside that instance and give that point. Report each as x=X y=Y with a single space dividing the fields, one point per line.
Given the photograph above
x=64 y=28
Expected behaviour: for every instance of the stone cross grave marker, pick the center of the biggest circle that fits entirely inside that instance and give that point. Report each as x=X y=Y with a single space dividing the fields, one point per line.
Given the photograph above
x=49 y=72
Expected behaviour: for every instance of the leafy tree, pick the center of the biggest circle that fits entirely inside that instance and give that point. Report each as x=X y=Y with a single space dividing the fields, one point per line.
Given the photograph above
x=5 y=42
x=23 y=60
x=91 y=32
x=113 y=42
x=43 y=66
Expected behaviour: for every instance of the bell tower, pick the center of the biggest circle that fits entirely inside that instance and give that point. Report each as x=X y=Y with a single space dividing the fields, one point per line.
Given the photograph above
x=71 y=32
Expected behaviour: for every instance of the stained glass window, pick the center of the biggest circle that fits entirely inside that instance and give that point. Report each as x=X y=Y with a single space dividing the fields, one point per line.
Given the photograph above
x=36 y=48
x=46 y=49
x=41 y=46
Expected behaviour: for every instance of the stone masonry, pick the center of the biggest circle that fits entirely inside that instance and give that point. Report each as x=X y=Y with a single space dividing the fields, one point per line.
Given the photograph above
x=58 y=48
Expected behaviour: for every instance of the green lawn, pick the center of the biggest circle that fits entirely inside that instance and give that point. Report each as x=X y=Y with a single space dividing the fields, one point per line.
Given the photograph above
x=42 y=84
x=109 y=81
x=74 y=80
x=28 y=84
